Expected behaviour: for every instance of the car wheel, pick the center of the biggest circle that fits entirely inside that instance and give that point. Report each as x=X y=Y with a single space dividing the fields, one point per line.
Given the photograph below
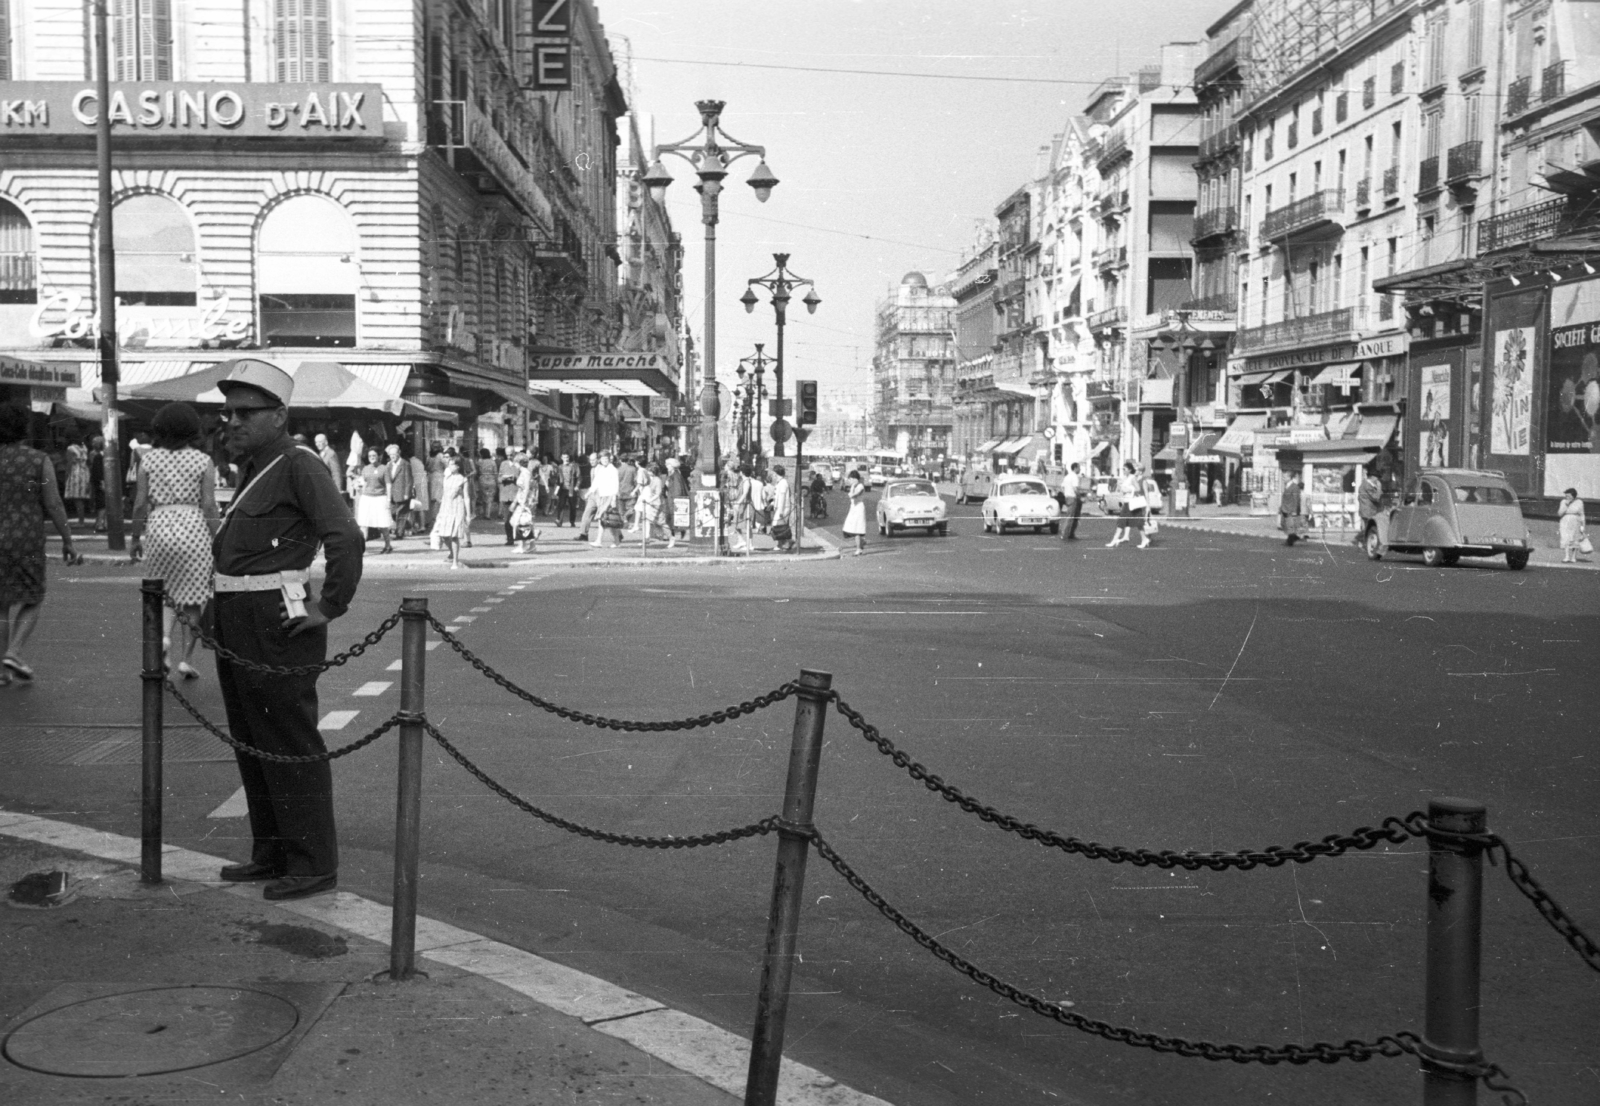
x=1055 y=528
x=1373 y=546
x=1516 y=562
x=1451 y=558
x=943 y=529
x=1433 y=557
x=880 y=529
x=890 y=530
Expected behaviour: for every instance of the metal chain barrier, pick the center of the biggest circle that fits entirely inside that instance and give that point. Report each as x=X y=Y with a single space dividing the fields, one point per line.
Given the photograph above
x=281 y=758
x=1523 y=880
x=754 y=829
x=714 y=718
x=1392 y=830
x=335 y=661
x=1323 y=1052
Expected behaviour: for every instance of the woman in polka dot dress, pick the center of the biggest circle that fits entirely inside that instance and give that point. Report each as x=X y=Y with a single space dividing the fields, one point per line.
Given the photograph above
x=174 y=517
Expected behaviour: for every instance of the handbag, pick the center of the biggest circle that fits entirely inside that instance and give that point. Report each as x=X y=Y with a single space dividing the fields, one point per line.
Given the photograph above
x=1585 y=546
x=781 y=533
x=1136 y=502
x=1150 y=526
x=611 y=518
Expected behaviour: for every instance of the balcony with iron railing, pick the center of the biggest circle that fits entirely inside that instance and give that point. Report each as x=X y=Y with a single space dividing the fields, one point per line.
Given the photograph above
x=1428 y=174
x=1111 y=257
x=1514 y=228
x=1464 y=160
x=1226 y=302
x=1112 y=201
x=1553 y=81
x=1220 y=141
x=1215 y=223
x=1326 y=326
x=1225 y=57
x=1316 y=214
x=1113 y=148
x=1518 y=92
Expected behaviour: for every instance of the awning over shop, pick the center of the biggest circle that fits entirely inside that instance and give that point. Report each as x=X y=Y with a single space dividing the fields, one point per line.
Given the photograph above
x=321 y=386
x=1342 y=372
x=531 y=404
x=387 y=377
x=643 y=381
x=988 y=446
x=1168 y=455
x=149 y=372
x=1377 y=426
x=1015 y=388
x=1012 y=445
x=1331 y=451
x=1241 y=432
x=1201 y=452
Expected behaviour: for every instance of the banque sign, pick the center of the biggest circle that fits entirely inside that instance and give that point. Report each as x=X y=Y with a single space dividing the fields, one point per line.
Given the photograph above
x=158 y=109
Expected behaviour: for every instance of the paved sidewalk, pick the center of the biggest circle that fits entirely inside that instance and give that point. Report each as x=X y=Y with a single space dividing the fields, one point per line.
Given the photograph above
x=490 y=1025
x=556 y=548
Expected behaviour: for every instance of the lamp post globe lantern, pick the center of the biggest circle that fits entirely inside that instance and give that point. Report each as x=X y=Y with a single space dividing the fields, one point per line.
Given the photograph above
x=710 y=151
x=781 y=282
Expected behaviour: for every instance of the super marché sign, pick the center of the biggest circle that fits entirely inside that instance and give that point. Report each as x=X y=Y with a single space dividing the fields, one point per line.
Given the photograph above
x=160 y=109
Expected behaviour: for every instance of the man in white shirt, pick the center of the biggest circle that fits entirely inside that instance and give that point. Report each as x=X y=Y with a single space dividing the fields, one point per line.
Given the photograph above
x=604 y=484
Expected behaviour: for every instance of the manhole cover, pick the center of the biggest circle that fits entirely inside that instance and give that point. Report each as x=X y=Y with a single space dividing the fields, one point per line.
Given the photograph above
x=150 y=1032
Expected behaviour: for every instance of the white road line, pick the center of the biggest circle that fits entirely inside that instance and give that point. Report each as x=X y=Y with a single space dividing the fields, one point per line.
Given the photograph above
x=687 y=1043
x=481 y=610
x=338 y=719
x=373 y=688
x=492 y=599
x=234 y=807
x=432 y=645
x=395 y=666
x=465 y=618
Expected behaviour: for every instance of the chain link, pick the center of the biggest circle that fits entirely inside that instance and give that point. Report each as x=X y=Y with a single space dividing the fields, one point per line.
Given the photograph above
x=1392 y=830
x=1323 y=1052
x=754 y=829
x=280 y=758
x=229 y=655
x=1523 y=880
x=714 y=718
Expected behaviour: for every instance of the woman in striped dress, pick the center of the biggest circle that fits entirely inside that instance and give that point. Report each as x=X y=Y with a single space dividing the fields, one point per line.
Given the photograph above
x=175 y=511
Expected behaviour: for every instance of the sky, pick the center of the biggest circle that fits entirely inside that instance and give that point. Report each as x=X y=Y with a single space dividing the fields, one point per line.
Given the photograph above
x=880 y=174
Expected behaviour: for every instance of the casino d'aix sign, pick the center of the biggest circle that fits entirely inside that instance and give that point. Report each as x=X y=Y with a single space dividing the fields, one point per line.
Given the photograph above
x=160 y=109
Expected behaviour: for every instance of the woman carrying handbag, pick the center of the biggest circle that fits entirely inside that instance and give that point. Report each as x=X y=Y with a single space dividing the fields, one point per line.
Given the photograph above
x=1131 y=489
x=1573 y=527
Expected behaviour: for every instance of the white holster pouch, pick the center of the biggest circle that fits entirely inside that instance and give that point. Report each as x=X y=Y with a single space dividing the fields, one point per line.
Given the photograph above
x=291 y=582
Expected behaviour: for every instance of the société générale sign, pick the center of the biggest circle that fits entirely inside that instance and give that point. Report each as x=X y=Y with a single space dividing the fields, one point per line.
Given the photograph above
x=163 y=109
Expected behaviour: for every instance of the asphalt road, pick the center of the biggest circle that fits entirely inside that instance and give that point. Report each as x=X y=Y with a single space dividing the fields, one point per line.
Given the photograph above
x=1212 y=692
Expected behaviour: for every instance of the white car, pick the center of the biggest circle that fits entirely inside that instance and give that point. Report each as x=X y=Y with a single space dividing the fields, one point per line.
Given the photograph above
x=1021 y=501
x=876 y=476
x=911 y=504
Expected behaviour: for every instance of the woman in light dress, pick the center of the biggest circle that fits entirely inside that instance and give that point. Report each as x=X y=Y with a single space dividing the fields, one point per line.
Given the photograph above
x=78 y=492
x=174 y=520
x=524 y=507
x=1131 y=489
x=1572 y=525
x=855 y=522
x=450 y=524
x=372 y=505
x=651 y=506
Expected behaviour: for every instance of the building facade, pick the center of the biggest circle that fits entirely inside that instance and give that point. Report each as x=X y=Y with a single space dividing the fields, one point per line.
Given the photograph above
x=308 y=185
x=913 y=370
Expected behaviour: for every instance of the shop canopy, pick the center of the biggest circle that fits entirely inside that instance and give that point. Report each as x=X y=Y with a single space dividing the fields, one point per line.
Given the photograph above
x=325 y=387
x=1012 y=445
x=639 y=376
x=1241 y=432
x=1201 y=452
x=988 y=446
x=1340 y=373
x=531 y=404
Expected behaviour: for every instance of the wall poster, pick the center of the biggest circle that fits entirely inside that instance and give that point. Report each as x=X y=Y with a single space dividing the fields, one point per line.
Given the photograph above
x=1572 y=393
x=1511 y=404
x=1433 y=419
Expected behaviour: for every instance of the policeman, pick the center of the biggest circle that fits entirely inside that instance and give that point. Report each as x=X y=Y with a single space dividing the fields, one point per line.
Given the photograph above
x=286 y=505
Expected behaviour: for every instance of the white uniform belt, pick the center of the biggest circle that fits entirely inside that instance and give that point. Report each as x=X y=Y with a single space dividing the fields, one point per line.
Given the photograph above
x=271 y=581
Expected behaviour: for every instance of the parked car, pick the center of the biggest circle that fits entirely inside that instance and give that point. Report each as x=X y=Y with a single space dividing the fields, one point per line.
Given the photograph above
x=1021 y=501
x=909 y=504
x=876 y=476
x=1446 y=514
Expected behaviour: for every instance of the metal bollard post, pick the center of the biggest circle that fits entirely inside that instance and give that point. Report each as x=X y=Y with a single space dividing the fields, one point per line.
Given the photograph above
x=788 y=882
x=155 y=662
x=408 y=801
x=1455 y=937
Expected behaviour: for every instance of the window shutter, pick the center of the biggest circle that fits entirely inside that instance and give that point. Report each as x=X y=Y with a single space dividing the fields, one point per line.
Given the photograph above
x=321 y=41
x=155 y=62
x=5 y=40
x=124 y=19
x=303 y=40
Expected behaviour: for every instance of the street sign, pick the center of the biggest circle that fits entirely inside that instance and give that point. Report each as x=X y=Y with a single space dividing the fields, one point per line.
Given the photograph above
x=773 y=408
x=780 y=431
x=1049 y=432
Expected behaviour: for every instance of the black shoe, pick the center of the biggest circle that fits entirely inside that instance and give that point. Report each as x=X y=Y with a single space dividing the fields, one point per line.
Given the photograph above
x=298 y=887
x=249 y=873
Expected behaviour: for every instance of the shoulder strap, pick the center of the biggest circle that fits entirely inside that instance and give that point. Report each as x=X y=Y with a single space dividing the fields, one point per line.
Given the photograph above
x=254 y=480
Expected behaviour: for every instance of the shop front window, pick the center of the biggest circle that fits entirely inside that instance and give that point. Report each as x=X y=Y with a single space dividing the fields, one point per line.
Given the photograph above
x=18 y=281
x=307 y=274
x=155 y=252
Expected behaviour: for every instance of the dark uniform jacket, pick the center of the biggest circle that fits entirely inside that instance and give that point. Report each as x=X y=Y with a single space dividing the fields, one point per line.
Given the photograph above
x=277 y=522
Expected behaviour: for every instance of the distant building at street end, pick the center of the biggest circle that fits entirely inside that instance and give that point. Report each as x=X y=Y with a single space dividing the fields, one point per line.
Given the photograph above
x=913 y=370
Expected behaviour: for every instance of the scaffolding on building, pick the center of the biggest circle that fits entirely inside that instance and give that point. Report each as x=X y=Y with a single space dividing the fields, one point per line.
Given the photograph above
x=1288 y=36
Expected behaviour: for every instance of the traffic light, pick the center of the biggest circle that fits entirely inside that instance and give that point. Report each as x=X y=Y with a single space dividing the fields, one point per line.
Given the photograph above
x=807 y=413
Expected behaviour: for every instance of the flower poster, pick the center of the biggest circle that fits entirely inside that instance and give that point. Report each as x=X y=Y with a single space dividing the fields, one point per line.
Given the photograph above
x=1511 y=416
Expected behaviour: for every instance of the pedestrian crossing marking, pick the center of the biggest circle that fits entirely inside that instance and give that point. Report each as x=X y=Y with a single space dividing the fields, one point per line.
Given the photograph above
x=338 y=719
x=234 y=807
x=373 y=688
x=432 y=645
x=493 y=600
x=395 y=666
x=465 y=618
x=481 y=610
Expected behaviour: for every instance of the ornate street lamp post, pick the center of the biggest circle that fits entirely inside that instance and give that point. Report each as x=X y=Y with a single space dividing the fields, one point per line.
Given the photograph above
x=780 y=282
x=710 y=150
x=1186 y=340
x=754 y=378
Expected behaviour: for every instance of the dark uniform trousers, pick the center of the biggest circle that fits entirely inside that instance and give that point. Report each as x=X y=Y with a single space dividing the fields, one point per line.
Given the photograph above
x=291 y=805
x=1074 y=513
